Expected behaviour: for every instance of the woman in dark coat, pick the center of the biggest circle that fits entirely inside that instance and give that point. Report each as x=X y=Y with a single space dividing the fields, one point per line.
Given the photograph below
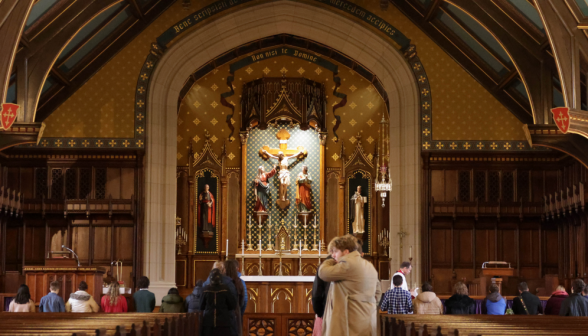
x=460 y=303
x=217 y=305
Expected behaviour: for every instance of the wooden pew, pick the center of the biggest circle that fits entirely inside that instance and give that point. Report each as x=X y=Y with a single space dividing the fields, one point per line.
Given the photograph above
x=396 y=325
x=156 y=324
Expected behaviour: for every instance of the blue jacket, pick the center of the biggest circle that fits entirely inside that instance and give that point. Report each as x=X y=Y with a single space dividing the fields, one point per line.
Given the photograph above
x=52 y=303
x=494 y=304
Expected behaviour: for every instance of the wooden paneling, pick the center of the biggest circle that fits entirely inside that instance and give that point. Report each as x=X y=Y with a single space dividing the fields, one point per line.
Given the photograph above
x=462 y=247
x=35 y=245
x=529 y=243
x=485 y=246
x=113 y=182
x=507 y=246
x=450 y=185
x=122 y=249
x=27 y=179
x=127 y=182
x=441 y=244
x=80 y=237
x=438 y=185
x=102 y=242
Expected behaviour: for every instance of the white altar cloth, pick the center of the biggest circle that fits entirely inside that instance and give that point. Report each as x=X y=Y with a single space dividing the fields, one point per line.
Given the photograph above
x=275 y=278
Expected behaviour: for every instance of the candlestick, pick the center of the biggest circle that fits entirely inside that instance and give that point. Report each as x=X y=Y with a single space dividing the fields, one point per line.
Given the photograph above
x=259 y=235
x=270 y=245
x=295 y=248
x=319 y=256
x=260 y=247
x=315 y=226
x=305 y=247
x=280 y=267
x=243 y=257
x=384 y=242
x=249 y=226
x=227 y=252
x=300 y=260
x=242 y=246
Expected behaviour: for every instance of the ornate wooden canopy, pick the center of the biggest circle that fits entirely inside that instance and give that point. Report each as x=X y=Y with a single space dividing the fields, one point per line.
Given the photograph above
x=271 y=99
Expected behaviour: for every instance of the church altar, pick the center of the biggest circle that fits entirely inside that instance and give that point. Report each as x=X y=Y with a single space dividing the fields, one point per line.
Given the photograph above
x=276 y=204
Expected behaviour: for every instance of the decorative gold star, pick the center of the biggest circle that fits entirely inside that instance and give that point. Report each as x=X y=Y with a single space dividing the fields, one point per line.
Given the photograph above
x=140 y=130
x=480 y=145
x=507 y=146
x=112 y=143
x=467 y=145
x=99 y=143
x=453 y=145
x=493 y=145
x=58 y=143
x=139 y=143
x=426 y=145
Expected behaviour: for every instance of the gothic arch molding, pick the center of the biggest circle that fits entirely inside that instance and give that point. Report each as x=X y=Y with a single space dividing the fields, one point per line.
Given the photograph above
x=216 y=37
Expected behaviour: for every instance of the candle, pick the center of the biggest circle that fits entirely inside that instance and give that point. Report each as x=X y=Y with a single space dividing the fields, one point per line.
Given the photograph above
x=227 y=248
x=260 y=247
x=243 y=246
x=300 y=250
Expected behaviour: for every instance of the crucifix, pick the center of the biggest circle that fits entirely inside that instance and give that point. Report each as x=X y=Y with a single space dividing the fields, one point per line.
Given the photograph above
x=283 y=154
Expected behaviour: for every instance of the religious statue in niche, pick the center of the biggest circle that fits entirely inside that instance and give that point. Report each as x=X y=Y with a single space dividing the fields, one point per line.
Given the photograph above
x=261 y=188
x=206 y=210
x=283 y=154
x=303 y=181
x=357 y=208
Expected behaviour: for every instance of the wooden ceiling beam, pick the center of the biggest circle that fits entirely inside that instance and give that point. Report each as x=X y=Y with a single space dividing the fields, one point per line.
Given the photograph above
x=48 y=44
x=13 y=15
x=433 y=9
x=100 y=58
x=551 y=137
x=531 y=66
x=474 y=68
x=136 y=9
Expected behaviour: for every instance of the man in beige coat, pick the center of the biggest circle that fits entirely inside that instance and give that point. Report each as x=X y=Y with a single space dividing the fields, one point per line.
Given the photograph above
x=351 y=308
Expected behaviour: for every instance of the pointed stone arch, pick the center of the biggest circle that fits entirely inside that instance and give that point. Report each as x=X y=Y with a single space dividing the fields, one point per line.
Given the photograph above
x=249 y=23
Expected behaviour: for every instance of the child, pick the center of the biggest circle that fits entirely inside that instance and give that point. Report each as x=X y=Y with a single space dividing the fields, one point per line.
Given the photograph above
x=397 y=300
x=144 y=299
x=52 y=302
x=81 y=301
x=172 y=302
x=113 y=302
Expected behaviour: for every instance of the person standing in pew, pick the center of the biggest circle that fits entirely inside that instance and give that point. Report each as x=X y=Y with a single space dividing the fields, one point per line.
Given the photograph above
x=526 y=303
x=351 y=307
x=22 y=303
x=144 y=299
x=218 y=306
x=81 y=301
x=397 y=300
x=494 y=303
x=554 y=303
x=460 y=303
x=113 y=302
x=52 y=302
x=172 y=302
x=575 y=304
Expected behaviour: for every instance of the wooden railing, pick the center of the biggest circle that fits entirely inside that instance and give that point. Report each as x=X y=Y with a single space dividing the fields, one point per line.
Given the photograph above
x=564 y=203
x=87 y=206
x=440 y=325
x=139 y=324
x=11 y=202
x=478 y=209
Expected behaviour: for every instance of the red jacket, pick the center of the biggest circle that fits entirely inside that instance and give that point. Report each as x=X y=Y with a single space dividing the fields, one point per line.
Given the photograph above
x=554 y=303
x=119 y=307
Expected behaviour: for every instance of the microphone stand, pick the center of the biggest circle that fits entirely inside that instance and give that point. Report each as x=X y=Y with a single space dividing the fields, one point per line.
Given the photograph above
x=70 y=250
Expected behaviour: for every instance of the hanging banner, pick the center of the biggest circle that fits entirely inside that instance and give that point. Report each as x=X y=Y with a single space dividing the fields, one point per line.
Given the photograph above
x=8 y=114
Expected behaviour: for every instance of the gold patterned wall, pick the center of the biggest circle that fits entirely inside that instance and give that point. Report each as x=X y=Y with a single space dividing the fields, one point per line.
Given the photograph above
x=463 y=109
x=201 y=112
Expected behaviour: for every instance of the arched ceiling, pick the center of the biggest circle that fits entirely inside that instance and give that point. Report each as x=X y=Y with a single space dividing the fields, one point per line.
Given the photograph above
x=501 y=43
x=96 y=31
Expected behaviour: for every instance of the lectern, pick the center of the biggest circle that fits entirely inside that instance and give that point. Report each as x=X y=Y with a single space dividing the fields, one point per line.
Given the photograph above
x=38 y=279
x=497 y=270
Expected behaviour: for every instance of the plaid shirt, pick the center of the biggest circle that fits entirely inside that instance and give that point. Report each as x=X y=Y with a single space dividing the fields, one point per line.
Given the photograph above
x=397 y=301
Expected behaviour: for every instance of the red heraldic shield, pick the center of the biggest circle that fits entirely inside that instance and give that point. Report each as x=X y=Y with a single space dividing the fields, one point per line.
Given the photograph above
x=561 y=117
x=8 y=114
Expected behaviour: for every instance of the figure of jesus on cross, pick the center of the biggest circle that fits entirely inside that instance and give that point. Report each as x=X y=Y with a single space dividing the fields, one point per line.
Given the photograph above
x=283 y=155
